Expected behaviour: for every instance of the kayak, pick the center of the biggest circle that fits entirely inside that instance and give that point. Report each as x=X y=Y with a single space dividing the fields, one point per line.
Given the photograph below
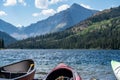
x=116 y=68
x=62 y=72
x=22 y=70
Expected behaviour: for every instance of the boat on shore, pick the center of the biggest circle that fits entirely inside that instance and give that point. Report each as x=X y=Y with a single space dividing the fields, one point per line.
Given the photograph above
x=116 y=68
x=62 y=72
x=22 y=70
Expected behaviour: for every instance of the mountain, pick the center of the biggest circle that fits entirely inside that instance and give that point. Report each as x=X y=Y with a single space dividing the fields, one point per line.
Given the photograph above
x=9 y=28
x=6 y=38
x=99 y=16
x=101 y=31
x=60 y=21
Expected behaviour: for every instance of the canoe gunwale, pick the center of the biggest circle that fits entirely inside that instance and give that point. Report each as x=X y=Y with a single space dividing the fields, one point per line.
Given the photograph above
x=26 y=74
x=19 y=77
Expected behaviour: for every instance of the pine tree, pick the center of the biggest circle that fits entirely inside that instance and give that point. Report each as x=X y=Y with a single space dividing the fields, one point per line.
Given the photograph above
x=1 y=43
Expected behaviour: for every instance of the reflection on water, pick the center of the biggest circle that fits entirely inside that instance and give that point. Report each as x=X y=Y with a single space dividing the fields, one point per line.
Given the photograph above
x=88 y=63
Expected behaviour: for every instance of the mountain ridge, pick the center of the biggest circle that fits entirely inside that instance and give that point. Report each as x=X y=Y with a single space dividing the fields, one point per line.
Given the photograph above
x=97 y=32
x=58 y=22
x=4 y=26
x=7 y=38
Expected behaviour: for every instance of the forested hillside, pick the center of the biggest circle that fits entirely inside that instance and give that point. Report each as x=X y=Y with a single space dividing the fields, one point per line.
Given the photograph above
x=6 y=38
x=100 y=31
x=1 y=43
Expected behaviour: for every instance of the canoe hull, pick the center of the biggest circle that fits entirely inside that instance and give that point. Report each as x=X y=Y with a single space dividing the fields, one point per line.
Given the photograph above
x=22 y=70
x=28 y=76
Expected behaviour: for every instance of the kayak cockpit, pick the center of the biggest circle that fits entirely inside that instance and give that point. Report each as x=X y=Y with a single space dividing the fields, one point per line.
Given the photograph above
x=61 y=74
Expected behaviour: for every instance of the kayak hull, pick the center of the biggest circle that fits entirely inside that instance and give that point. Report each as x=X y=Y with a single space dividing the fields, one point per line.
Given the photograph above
x=64 y=71
x=116 y=69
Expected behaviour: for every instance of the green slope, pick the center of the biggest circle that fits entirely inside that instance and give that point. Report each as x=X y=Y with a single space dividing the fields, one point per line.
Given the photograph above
x=104 y=34
x=100 y=31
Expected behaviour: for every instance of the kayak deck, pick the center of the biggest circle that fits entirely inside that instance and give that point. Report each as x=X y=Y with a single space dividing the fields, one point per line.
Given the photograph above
x=62 y=72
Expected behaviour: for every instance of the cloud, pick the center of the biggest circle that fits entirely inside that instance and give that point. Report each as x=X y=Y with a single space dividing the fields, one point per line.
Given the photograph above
x=63 y=7
x=42 y=4
x=47 y=13
x=2 y=13
x=86 y=6
x=19 y=36
x=35 y=14
x=55 y=1
x=22 y=2
x=10 y=3
x=50 y=12
x=14 y=2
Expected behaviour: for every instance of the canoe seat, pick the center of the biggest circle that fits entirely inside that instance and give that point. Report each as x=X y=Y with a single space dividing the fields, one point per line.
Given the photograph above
x=6 y=71
x=10 y=75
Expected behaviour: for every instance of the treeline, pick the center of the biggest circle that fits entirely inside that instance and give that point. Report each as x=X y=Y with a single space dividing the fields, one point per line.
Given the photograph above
x=100 y=31
x=98 y=17
x=100 y=35
x=1 y=43
x=105 y=14
x=7 y=38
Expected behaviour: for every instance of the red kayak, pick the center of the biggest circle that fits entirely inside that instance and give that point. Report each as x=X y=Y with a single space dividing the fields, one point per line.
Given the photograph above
x=63 y=72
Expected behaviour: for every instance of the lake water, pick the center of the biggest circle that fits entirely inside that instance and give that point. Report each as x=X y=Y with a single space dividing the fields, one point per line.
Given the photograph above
x=88 y=63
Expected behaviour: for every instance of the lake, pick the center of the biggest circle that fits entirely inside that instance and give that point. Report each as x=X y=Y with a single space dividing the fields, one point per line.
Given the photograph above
x=88 y=63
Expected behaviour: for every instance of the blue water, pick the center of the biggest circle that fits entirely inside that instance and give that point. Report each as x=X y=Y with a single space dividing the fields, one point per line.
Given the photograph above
x=88 y=63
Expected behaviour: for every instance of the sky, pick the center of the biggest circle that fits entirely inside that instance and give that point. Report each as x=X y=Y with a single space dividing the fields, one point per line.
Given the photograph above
x=25 y=12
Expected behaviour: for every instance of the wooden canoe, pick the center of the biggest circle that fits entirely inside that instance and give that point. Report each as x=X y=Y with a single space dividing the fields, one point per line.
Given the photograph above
x=22 y=70
x=62 y=72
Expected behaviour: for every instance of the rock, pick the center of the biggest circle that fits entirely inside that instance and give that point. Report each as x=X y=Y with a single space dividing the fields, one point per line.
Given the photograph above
x=94 y=79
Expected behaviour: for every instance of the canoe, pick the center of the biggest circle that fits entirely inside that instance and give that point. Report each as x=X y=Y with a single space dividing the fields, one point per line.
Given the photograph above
x=62 y=72
x=116 y=68
x=22 y=70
